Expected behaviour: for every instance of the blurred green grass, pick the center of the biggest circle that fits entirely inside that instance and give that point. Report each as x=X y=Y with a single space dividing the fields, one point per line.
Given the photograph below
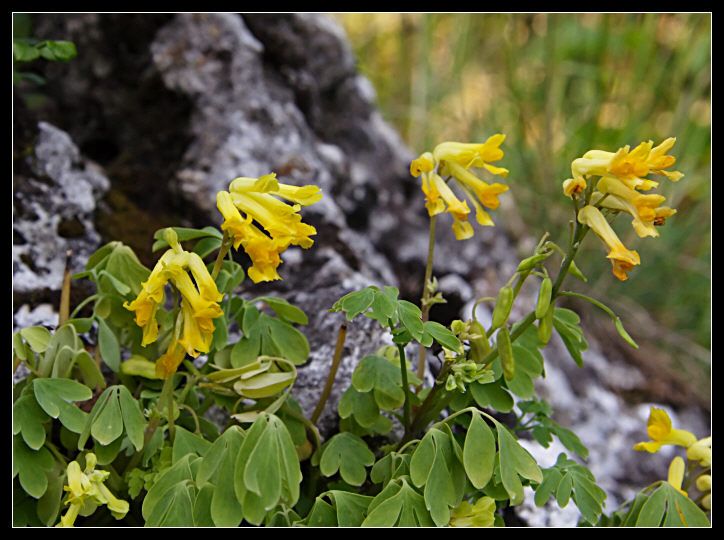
x=559 y=85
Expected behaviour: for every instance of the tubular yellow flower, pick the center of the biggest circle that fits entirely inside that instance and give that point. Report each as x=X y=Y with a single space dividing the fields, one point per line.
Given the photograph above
x=168 y=363
x=454 y=159
x=703 y=483
x=700 y=451
x=256 y=199
x=629 y=166
x=86 y=491
x=480 y=514
x=199 y=305
x=574 y=186
x=622 y=259
x=676 y=474
x=643 y=208
x=486 y=193
x=660 y=431
x=457 y=208
x=473 y=155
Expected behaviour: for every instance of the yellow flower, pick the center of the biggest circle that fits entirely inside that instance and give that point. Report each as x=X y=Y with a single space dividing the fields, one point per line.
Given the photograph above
x=454 y=159
x=622 y=259
x=256 y=198
x=574 y=186
x=473 y=155
x=661 y=432
x=86 y=491
x=199 y=304
x=480 y=514
x=700 y=451
x=645 y=209
x=168 y=363
x=703 y=483
x=676 y=474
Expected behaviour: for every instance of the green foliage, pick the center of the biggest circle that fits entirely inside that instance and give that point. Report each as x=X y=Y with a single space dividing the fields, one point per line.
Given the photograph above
x=349 y=455
x=567 y=479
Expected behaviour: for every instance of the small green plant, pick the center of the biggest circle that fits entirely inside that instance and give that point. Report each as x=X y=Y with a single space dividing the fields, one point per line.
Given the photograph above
x=129 y=402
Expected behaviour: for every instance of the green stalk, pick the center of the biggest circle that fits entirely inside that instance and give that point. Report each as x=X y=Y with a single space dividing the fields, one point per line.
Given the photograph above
x=424 y=302
x=406 y=387
x=336 y=359
x=223 y=250
x=439 y=398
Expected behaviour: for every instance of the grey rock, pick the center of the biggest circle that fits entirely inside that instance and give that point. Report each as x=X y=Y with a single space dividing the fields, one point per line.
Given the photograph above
x=53 y=207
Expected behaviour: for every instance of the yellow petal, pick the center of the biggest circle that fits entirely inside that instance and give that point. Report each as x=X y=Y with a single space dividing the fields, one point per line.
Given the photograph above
x=676 y=474
x=423 y=164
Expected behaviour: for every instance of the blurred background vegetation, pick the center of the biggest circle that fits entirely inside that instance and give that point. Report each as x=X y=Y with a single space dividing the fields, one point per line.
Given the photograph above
x=559 y=85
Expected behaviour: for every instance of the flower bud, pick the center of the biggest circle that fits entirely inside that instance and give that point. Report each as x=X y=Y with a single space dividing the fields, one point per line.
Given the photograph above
x=505 y=351
x=544 y=298
x=545 y=326
x=533 y=261
x=703 y=483
x=479 y=347
x=503 y=306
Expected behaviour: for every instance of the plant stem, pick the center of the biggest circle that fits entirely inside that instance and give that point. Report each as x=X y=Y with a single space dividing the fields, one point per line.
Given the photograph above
x=167 y=397
x=82 y=305
x=64 y=309
x=438 y=398
x=406 y=387
x=336 y=359
x=223 y=250
x=147 y=436
x=424 y=302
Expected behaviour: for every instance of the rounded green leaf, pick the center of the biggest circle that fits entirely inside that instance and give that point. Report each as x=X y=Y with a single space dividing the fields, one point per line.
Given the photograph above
x=479 y=452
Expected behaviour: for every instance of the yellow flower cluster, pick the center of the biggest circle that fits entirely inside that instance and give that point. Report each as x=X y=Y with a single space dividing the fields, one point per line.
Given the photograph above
x=86 y=491
x=257 y=199
x=453 y=159
x=661 y=432
x=199 y=305
x=622 y=175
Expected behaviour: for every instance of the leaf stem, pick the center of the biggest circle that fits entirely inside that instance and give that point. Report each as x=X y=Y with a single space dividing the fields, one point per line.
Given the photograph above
x=64 y=309
x=336 y=360
x=424 y=301
x=405 y=386
x=223 y=250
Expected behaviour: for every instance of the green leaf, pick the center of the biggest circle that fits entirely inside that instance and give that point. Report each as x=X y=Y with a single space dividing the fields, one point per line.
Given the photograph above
x=108 y=343
x=59 y=51
x=616 y=320
x=492 y=395
x=292 y=344
x=89 y=370
x=37 y=337
x=443 y=336
x=284 y=309
x=349 y=455
x=479 y=452
x=375 y=373
x=563 y=493
x=56 y=397
x=652 y=512
x=351 y=507
x=175 y=475
x=551 y=479
x=361 y=405
x=31 y=466
x=29 y=420
x=355 y=302
x=133 y=419
x=184 y=234
x=116 y=284
x=218 y=464
x=186 y=443
x=566 y=323
x=411 y=318
x=24 y=52
x=108 y=425
x=49 y=503
x=206 y=246
x=176 y=509
x=202 y=507
x=515 y=461
x=398 y=505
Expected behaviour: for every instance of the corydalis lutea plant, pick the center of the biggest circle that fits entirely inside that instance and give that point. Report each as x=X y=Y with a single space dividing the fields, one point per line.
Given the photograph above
x=152 y=456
